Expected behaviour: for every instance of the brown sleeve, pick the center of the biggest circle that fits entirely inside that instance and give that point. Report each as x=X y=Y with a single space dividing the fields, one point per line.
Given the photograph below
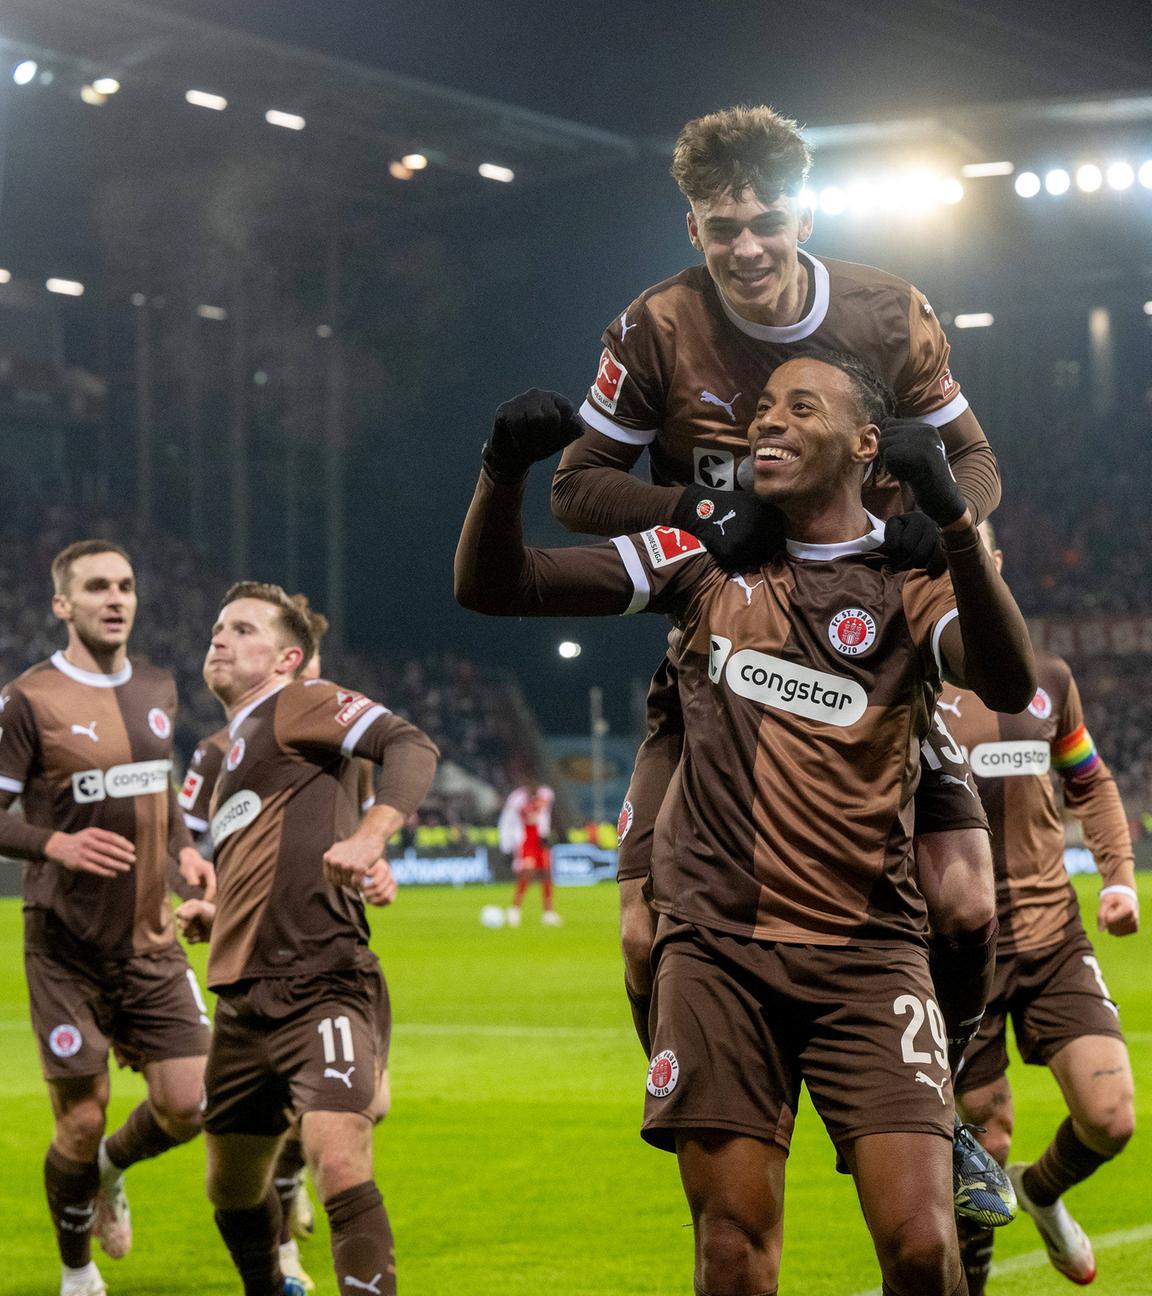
x=986 y=648
x=973 y=464
x=407 y=759
x=1091 y=794
x=595 y=492
x=178 y=834
x=20 y=840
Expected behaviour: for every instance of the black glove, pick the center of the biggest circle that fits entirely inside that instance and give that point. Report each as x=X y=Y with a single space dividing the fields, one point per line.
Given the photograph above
x=736 y=528
x=913 y=540
x=529 y=427
x=913 y=452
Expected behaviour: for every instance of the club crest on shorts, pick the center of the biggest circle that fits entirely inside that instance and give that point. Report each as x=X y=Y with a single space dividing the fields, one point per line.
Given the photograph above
x=705 y=509
x=159 y=723
x=65 y=1041
x=663 y=1073
x=852 y=631
x=624 y=823
x=235 y=754
x=1041 y=705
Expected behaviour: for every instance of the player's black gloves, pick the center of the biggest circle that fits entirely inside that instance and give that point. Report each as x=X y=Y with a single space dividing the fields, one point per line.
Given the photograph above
x=736 y=528
x=528 y=428
x=913 y=540
x=913 y=452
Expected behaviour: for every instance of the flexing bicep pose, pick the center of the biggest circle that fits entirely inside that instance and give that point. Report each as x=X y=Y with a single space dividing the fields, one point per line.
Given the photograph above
x=790 y=938
x=87 y=747
x=1047 y=977
x=300 y=1009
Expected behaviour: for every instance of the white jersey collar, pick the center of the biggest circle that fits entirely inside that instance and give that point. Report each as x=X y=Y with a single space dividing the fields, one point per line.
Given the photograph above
x=244 y=712
x=95 y=679
x=842 y=548
x=788 y=332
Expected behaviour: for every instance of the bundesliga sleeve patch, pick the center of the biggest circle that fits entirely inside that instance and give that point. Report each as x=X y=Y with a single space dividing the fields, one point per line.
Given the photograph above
x=609 y=379
x=191 y=789
x=665 y=545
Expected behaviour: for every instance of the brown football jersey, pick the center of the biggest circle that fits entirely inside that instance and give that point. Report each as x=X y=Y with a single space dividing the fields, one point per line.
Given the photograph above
x=1011 y=757
x=288 y=789
x=681 y=371
x=203 y=770
x=86 y=750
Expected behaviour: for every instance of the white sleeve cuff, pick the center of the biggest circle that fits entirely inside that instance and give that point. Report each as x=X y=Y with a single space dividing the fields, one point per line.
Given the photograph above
x=641 y=590
x=937 y=632
x=361 y=727
x=630 y=436
x=1120 y=887
x=946 y=413
x=11 y=785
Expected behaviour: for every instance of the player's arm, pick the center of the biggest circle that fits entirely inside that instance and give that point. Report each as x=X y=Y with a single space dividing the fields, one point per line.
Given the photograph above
x=594 y=491
x=973 y=464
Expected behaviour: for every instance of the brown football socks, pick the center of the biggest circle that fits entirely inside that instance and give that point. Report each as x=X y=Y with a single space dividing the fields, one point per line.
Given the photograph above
x=962 y=969
x=286 y=1180
x=362 y=1249
x=140 y=1137
x=1065 y=1162
x=975 y=1254
x=71 y=1187
x=252 y=1238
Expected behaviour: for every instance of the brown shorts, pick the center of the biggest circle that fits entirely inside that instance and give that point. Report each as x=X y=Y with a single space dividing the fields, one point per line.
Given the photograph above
x=945 y=797
x=739 y=1023
x=284 y=1046
x=1053 y=995
x=145 y=1009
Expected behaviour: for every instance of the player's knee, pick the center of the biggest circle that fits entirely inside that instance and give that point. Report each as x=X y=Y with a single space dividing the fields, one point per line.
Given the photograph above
x=80 y=1129
x=997 y=1141
x=338 y=1168
x=734 y=1256
x=1111 y=1127
x=180 y=1114
x=964 y=915
x=919 y=1252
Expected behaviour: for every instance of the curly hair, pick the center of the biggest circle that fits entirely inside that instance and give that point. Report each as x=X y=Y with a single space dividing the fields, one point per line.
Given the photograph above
x=873 y=395
x=739 y=149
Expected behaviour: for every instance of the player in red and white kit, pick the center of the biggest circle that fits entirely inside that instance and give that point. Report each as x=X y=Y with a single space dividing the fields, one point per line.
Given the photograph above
x=525 y=825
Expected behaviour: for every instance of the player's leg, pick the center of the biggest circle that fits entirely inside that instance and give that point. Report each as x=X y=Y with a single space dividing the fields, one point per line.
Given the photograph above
x=637 y=933
x=297 y=1219
x=735 y=1190
x=523 y=876
x=550 y=918
x=72 y=1177
x=247 y=1209
x=989 y=1108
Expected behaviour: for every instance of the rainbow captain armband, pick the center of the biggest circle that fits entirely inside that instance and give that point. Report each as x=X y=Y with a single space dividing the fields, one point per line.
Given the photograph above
x=1075 y=754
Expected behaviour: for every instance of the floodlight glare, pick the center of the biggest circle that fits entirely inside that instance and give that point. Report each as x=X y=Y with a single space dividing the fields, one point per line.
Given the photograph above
x=490 y=171
x=1027 y=184
x=414 y=161
x=5 y=276
x=399 y=171
x=980 y=319
x=832 y=200
x=951 y=191
x=569 y=649
x=22 y=73
x=106 y=85
x=290 y=121
x=1144 y=175
x=204 y=99
x=138 y=299
x=806 y=198
x=1057 y=181
x=66 y=287
x=92 y=96
x=980 y=170
x=1148 y=308
x=212 y=312
x=1120 y=176
x=1089 y=178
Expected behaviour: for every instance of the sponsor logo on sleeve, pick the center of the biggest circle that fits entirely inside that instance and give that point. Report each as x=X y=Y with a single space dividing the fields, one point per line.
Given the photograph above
x=609 y=379
x=160 y=723
x=624 y=823
x=1009 y=759
x=193 y=782
x=788 y=686
x=235 y=754
x=353 y=705
x=852 y=631
x=666 y=545
x=237 y=812
x=1041 y=705
x=947 y=383
x=65 y=1041
x=141 y=778
x=714 y=469
x=663 y=1074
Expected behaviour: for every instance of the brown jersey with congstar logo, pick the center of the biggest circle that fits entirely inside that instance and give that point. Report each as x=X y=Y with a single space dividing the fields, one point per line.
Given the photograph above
x=288 y=790
x=86 y=750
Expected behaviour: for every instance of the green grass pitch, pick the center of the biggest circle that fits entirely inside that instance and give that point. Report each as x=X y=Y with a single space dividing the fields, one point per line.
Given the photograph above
x=511 y=1162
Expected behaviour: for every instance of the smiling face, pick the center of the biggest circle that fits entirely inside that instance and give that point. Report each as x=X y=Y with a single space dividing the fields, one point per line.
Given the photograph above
x=98 y=602
x=810 y=438
x=249 y=649
x=749 y=248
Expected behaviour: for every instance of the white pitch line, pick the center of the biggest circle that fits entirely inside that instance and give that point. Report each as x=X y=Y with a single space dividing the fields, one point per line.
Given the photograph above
x=1039 y=1259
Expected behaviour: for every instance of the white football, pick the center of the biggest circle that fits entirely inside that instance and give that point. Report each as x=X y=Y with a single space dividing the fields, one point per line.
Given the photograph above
x=492 y=916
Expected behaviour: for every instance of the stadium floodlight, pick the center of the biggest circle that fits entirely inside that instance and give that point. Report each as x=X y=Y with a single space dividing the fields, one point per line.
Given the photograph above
x=569 y=649
x=1120 y=176
x=983 y=170
x=106 y=85
x=861 y=198
x=5 y=276
x=1057 y=181
x=323 y=330
x=66 y=287
x=24 y=72
x=979 y=319
x=398 y=171
x=92 y=96
x=212 y=312
x=490 y=171
x=832 y=200
x=1144 y=175
x=205 y=99
x=1148 y=308
x=414 y=161
x=290 y=121
x=1027 y=184
x=806 y=199
x=138 y=299
x=951 y=191
x=1089 y=178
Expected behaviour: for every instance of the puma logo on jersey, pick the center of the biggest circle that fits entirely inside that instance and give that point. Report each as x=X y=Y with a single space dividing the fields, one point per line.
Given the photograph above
x=938 y=1085
x=726 y=518
x=330 y=1073
x=710 y=398
x=373 y=1286
x=625 y=326
x=748 y=589
x=954 y=707
x=960 y=782
x=89 y=729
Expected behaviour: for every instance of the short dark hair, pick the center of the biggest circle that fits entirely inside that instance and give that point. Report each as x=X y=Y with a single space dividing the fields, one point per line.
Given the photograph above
x=64 y=561
x=317 y=621
x=875 y=398
x=293 y=621
x=738 y=149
